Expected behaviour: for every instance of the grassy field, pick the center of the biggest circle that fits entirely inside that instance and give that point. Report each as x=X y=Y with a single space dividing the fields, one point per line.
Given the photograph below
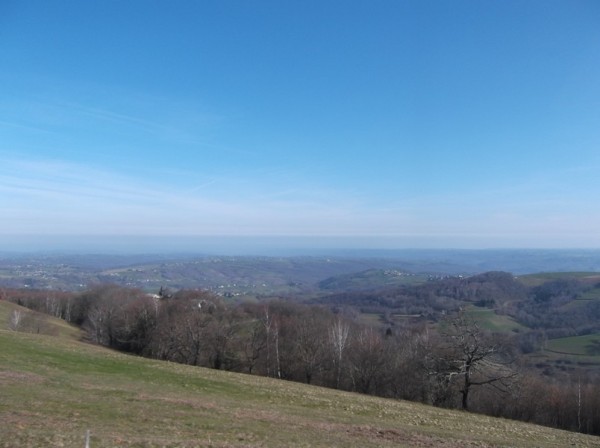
x=488 y=320
x=34 y=322
x=592 y=294
x=374 y=319
x=539 y=278
x=54 y=389
x=588 y=345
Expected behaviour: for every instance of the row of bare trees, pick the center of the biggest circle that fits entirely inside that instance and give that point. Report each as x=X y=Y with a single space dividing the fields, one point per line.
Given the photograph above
x=457 y=365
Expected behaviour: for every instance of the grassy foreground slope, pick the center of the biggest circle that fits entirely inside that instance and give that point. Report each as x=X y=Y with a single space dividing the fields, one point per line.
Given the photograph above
x=54 y=389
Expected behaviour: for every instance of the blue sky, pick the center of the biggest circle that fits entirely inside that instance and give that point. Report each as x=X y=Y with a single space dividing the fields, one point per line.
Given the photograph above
x=463 y=124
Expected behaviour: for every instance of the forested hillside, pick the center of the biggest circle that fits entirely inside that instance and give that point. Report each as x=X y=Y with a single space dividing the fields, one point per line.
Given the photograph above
x=60 y=392
x=488 y=343
x=555 y=305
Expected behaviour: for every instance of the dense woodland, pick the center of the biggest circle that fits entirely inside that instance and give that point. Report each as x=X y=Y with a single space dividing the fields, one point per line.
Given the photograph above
x=439 y=355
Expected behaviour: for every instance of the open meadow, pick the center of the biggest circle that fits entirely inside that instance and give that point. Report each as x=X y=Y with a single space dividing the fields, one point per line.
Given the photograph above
x=55 y=388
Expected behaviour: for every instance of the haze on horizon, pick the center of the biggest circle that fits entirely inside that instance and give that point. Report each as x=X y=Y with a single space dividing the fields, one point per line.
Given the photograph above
x=387 y=124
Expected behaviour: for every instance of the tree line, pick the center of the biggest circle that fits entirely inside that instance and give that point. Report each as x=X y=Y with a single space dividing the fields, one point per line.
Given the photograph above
x=454 y=364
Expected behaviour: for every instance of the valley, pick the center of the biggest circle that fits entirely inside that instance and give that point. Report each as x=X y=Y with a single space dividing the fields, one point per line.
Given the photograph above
x=276 y=317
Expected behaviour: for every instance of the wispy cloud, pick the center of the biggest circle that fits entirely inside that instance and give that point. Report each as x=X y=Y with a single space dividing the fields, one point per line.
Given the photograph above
x=57 y=197
x=20 y=126
x=108 y=114
x=53 y=196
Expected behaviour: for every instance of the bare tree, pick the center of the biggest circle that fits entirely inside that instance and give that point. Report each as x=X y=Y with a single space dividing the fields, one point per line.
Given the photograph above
x=268 y=325
x=95 y=324
x=407 y=354
x=338 y=340
x=15 y=320
x=468 y=356
x=53 y=306
x=252 y=343
x=276 y=334
x=309 y=344
x=367 y=359
x=219 y=335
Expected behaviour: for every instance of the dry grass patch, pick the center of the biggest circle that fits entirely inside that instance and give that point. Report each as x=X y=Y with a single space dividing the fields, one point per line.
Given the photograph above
x=52 y=390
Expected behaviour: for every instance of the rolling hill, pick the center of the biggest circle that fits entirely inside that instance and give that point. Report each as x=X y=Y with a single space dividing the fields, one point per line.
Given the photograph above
x=55 y=388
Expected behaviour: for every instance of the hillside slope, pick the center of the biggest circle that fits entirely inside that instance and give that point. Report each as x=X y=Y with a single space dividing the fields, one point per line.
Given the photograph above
x=52 y=390
x=34 y=322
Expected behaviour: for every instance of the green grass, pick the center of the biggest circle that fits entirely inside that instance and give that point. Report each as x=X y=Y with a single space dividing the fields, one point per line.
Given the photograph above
x=37 y=322
x=374 y=319
x=588 y=345
x=543 y=277
x=54 y=389
x=592 y=294
x=487 y=319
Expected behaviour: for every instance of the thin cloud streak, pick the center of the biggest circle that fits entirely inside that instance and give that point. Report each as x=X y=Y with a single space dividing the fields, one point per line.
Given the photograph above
x=54 y=197
x=68 y=115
